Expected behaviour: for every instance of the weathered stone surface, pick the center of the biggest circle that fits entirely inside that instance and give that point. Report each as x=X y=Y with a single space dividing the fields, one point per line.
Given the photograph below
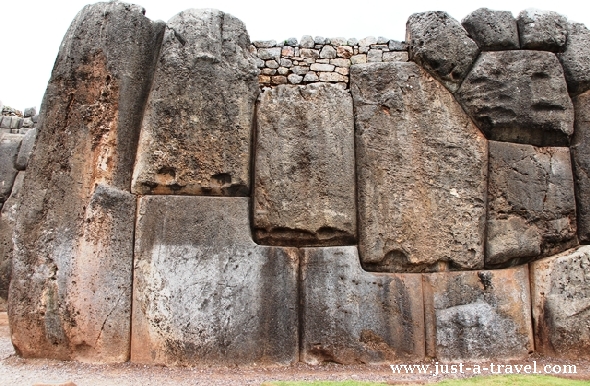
x=306 y=42
x=439 y=44
x=328 y=52
x=71 y=288
x=542 y=30
x=352 y=316
x=29 y=112
x=576 y=58
x=531 y=206
x=395 y=56
x=492 y=30
x=26 y=149
x=196 y=131
x=421 y=178
x=478 y=315
x=204 y=292
x=306 y=133
x=560 y=291
x=9 y=147
x=7 y=221
x=519 y=96
x=580 y=148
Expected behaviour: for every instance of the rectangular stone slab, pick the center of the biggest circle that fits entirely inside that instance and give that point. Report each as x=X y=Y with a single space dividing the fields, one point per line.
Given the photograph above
x=204 y=292
x=197 y=128
x=478 y=315
x=353 y=316
x=531 y=205
x=560 y=290
x=304 y=179
x=421 y=172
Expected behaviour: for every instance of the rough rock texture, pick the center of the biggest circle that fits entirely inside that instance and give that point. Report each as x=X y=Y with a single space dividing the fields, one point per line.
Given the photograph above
x=204 y=292
x=531 y=206
x=560 y=290
x=580 y=148
x=196 y=132
x=7 y=221
x=304 y=179
x=9 y=147
x=576 y=58
x=542 y=30
x=441 y=46
x=492 y=30
x=519 y=96
x=478 y=315
x=352 y=316
x=26 y=149
x=71 y=288
x=421 y=177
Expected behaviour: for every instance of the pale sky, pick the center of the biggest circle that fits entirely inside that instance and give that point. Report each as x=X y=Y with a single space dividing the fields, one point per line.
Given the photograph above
x=32 y=30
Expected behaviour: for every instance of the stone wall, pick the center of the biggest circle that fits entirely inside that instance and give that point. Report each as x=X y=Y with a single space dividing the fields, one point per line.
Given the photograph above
x=197 y=199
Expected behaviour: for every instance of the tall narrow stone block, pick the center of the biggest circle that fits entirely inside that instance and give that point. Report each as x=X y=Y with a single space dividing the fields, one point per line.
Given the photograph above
x=196 y=131
x=580 y=148
x=71 y=289
x=204 y=292
x=352 y=316
x=304 y=181
x=421 y=172
x=560 y=290
x=478 y=315
x=531 y=205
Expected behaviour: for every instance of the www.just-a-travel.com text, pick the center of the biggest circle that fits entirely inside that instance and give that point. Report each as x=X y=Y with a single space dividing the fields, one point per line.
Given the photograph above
x=491 y=368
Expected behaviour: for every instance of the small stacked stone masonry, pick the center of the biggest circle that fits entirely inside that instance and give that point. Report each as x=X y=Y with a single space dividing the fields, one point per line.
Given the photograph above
x=212 y=201
x=321 y=59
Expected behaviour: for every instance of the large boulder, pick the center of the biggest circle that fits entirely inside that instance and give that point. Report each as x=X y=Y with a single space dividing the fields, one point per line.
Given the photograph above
x=439 y=44
x=580 y=148
x=9 y=148
x=519 y=96
x=560 y=290
x=26 y=149
x=7 y=221
x=576 y=58
x=304 y=179
x=352 y=316
x=421 y=172
x=204 y=292
x=70 y=295
x=196 y=131
x=531 y=205
x=542 y=30
x=492 y=30
x=478 y=315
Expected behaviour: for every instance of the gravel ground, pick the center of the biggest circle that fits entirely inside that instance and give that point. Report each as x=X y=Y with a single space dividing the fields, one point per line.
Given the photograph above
x=15 y=371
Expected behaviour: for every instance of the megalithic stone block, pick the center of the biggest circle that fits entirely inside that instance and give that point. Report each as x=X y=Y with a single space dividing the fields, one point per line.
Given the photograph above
x=204 y=292
x=304 y=180
x=9 y=147
x=478 y=315
x=441 y=45
x=353 y=316
x=196 y=133
x=519 y=96
x=531 y=205
x=580 y=148
x=576 y=58
x=560 y=290
x=421 y=172
x=7 y=220
x=71 y=289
